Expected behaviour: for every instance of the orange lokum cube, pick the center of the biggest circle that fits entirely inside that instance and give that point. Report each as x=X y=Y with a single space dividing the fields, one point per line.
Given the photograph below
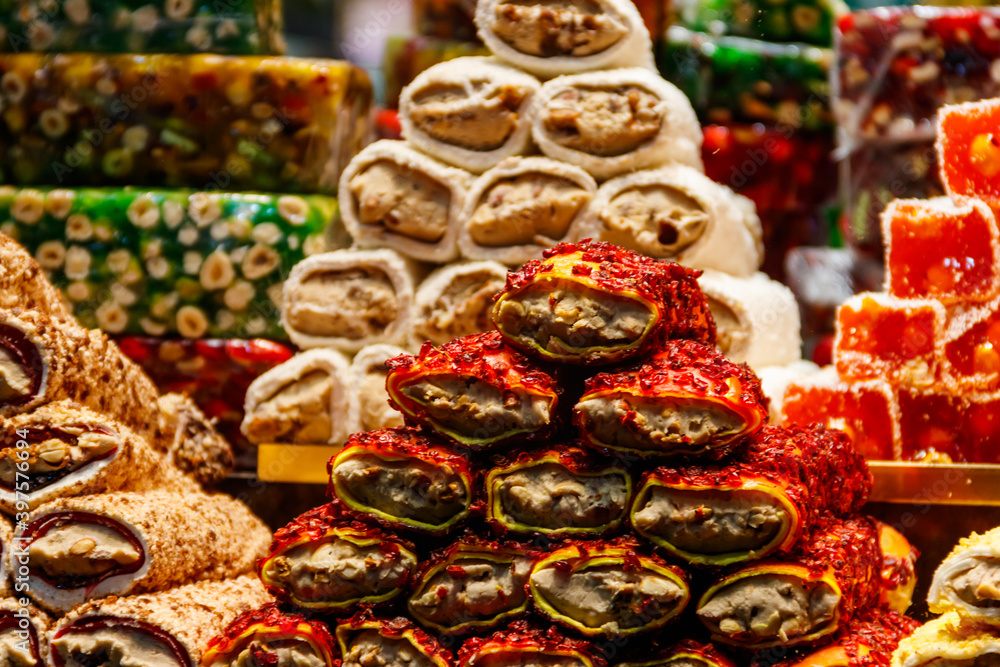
x=879 y=336
x=864 y=410
x=971 y=352
x=940 y=426
x=968 y=148
x=938 y=249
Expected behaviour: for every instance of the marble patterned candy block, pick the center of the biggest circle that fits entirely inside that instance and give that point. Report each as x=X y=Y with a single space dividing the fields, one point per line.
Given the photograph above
x=199 y=121
x=936 y=249
x=169 y=262
x=807 y=21
x=968 y=144
x=745 y=80
x=234 y=27
x=972 y=348
x=897 y=66
x=865 y=410
x=898 y=340
x=406 y=57
x=941 y=426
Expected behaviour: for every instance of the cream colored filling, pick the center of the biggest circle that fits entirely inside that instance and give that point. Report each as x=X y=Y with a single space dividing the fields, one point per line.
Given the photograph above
x=376 y=412
x=298 y=412
x=550 y=497
x=463 y=308
x=711 y=522
x=477 y=409
x=659 y=221
x=558 y=319
x=632 y=422
x=981 y=660
x=15 y=383
x=979 y=586
x=15 y=651
x=732 y=337
x=56 y=455
x=113 y=647
x=370 y=649
x=81 y=550
x=481 y=121
x=770 y=607
x=289 y=652
x=482 y=591
x=531 y=208
x=557 y=27
x=608 y=597
x=355 y=303
x=406 y=489
x=339 y=570
x=603 y=122
x=402 y=200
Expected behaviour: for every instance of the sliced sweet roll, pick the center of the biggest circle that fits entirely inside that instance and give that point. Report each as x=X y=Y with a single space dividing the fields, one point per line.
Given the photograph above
x=365 y=638
x=522 y=644
x=24 y=634
x=968 y=580
x=952 y=640
x=455 y=300
x=368 y=372
x=268 y=636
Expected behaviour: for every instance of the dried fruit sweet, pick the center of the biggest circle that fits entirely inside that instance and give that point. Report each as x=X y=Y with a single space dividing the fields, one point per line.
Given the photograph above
x=268 y=635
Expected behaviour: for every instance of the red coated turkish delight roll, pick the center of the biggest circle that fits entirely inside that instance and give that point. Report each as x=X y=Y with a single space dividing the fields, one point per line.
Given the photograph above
x=813 y=592
x=393 y=641
x=687 y=399
x=403 y=478
x=608 y=588
x=322 y=561
x=558 y=490
x=521 y=643
x=475 y=391
x=597 y=303
x=760 y=504
x=268 y=636
x=472 y=585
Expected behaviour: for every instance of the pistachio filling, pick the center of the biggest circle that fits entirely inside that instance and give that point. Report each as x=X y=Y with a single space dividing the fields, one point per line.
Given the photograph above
x=481 y=117
x=339 y=571
x=410 y=489
x=376 y=412
x=526 y=209
x=472 y=589
x=711 y=521
x=568 y=317
x=770 y=607
x=658 y=220
x=371 y=649
x=114 y=647
x=15 y=649
x=731 y=336
x=548 y=28
x=463 y=308
x=605 y=122
x=550 y=497
x=661 y=424
x=476 y=409
x=402 y=200
x=609 y=598
x=76 y=551
x=979 y=586
x=53 y=455
x=354 y=303
x=276 y=652
x=298 y=412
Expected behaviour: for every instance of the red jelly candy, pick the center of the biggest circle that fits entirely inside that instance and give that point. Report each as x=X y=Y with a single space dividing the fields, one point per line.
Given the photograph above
x=971 y=355
x=968 y=146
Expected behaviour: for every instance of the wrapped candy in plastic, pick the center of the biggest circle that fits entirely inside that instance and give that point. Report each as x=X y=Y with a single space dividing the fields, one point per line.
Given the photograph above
x=972 y=348
x=687 y=399
x=809 y=21
x=169 y=262
x=403 y=478
x=595 y=303
x=324 y=562
x=406 y=57
x=899 y=340
x=135 y=26
x=938 y=425
x=521 y=642
x=266 y=635
x=629 y=592
x=896 y=66
x=744 y=80
x=866 y=410
x=815 y=591
x=475 y=391
x=199 y=121
x=759 y=504
x=364 y=636
x=941 y=250
x=558 y=490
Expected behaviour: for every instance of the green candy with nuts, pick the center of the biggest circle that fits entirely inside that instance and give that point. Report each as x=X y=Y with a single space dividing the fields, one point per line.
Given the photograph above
x=806 y=21
x=169 y=262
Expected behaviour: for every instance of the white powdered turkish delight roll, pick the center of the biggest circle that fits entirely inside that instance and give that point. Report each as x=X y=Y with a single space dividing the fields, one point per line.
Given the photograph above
x=469 y=112
x=368 y=372
x=456 y=300
x=392 y=196
x=616 y=121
